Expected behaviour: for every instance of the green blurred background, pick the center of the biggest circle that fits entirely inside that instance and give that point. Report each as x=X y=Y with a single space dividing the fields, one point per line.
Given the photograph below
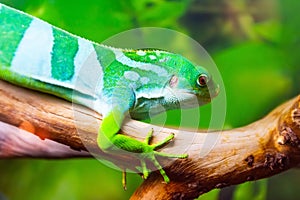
x=254 y=43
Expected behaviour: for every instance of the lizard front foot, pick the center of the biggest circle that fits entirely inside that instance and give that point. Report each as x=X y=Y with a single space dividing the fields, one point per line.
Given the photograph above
x=150 y=154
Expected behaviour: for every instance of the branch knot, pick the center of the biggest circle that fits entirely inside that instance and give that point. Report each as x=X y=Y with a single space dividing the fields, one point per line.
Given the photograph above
x=287 y=136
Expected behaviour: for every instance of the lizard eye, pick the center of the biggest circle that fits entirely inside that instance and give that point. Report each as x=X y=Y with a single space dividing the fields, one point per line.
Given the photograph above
x=202 y=80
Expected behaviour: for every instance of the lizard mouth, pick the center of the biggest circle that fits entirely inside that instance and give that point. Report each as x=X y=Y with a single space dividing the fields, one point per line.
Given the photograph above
x=202 y=98
x=213 y=93
x=206 y=95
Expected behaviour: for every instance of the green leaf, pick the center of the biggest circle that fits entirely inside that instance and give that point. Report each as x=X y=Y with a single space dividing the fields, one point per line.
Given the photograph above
x=212 y=195
x=251 y=190
x=269 y=30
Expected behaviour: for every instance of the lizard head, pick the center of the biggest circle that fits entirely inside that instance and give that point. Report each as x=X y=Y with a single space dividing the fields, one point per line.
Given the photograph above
x=190 y=84
x=175 y=82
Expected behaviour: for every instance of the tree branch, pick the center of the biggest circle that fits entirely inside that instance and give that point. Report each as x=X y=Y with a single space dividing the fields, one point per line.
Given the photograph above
x=264 y=148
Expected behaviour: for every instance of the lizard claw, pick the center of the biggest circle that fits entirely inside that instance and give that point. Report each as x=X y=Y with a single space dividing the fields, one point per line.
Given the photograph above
x=124 y=179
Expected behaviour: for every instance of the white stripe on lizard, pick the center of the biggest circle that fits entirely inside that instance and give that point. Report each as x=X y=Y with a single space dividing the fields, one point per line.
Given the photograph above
x=131 y=75
x=120 y=57
x=88 y=78
x=33 y=55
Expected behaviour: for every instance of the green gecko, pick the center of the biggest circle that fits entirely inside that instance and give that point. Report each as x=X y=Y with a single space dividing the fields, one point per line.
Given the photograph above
x=113 y=82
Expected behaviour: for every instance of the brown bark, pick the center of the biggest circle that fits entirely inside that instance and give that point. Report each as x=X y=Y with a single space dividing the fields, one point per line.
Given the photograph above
x=261 y=149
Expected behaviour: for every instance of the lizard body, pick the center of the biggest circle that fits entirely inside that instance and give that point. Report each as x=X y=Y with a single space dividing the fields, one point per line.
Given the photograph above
x=111 y=81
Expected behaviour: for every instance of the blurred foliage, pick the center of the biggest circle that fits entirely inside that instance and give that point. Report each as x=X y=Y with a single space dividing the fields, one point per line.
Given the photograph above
x=69 y=179
x=251 y=191
x=254 y=43
x=212 y=195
